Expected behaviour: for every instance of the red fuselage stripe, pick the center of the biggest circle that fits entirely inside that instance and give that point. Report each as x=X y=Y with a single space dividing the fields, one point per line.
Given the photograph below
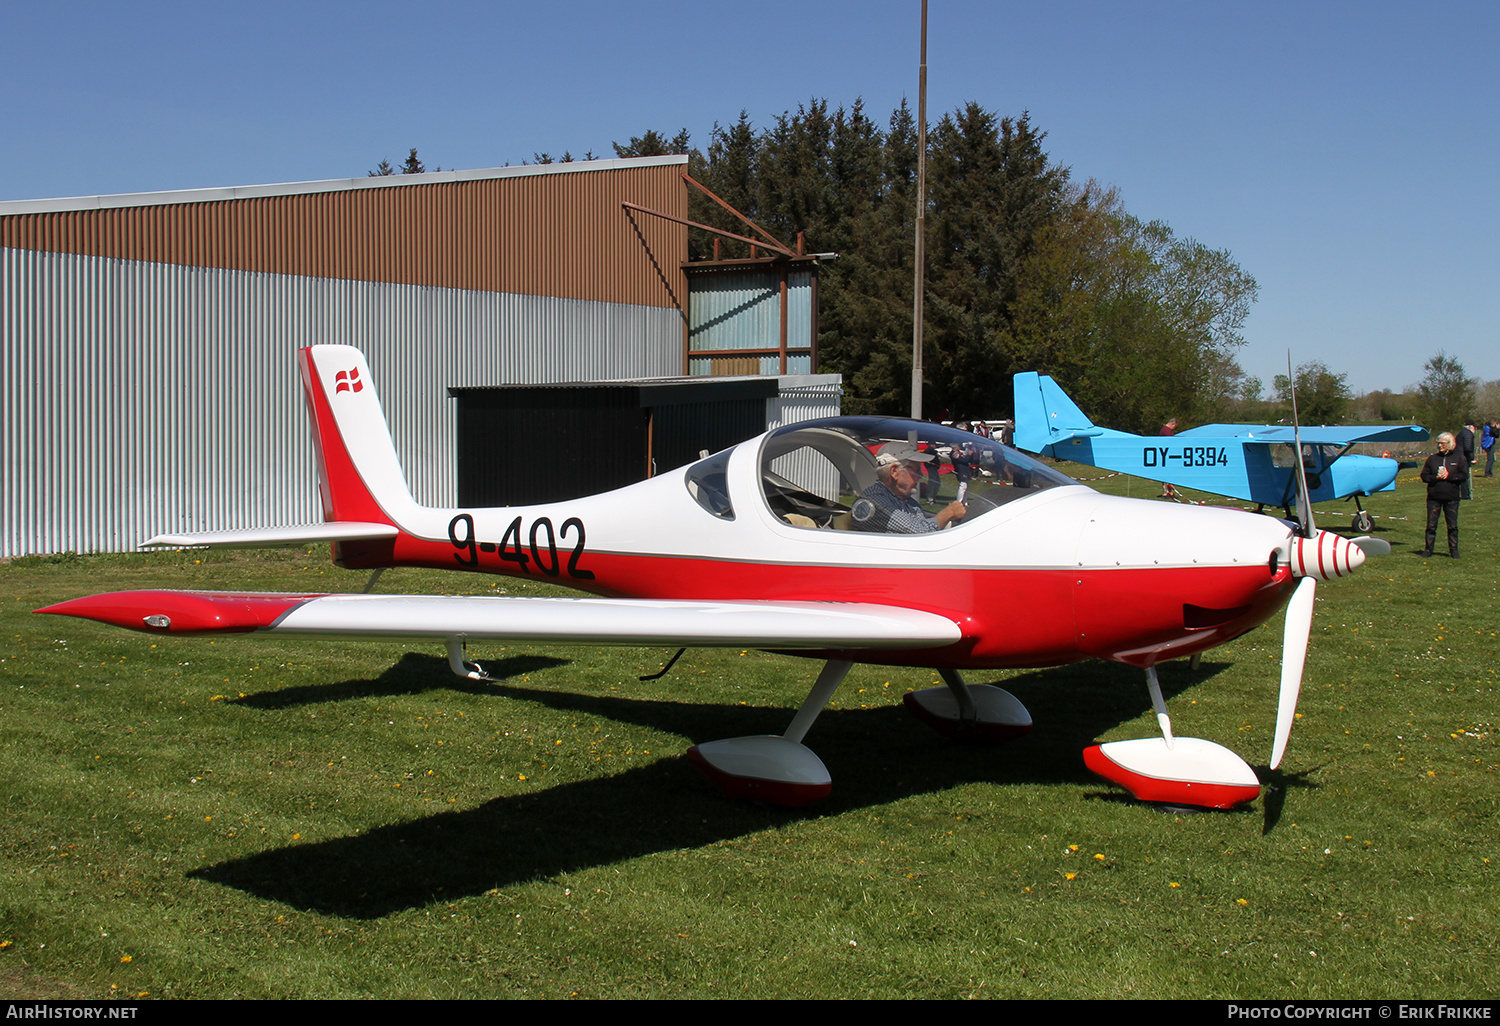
x=1010 y=617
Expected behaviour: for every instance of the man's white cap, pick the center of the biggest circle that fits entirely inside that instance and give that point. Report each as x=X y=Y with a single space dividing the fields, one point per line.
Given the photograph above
x=900 y=452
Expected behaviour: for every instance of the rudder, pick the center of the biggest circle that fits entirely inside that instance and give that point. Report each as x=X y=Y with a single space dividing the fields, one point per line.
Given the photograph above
x=359 y=477
x=1045 y=415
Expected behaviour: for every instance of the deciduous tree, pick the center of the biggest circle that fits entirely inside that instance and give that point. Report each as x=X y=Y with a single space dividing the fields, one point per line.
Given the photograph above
x=1322 y=396
x=1446 y=394
x=1137 y=325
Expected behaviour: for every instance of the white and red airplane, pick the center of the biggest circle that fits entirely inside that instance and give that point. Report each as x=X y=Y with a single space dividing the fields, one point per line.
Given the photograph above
x=761 y=546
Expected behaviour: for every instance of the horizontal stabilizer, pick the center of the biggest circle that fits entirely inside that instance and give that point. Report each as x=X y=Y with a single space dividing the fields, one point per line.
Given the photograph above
x=596 y=621
x=273 y=537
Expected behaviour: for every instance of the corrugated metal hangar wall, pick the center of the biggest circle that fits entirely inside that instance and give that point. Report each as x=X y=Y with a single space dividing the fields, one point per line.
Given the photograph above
x=147 y=341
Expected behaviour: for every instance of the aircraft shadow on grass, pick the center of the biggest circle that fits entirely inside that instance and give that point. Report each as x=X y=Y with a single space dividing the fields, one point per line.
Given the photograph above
x=881 y=755
x=413 y=675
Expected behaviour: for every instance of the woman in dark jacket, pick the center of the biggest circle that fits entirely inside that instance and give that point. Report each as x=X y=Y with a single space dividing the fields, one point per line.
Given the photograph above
x=1444 y=472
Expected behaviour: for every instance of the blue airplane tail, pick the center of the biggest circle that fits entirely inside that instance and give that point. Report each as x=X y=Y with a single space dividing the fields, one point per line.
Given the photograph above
x=1045 y=415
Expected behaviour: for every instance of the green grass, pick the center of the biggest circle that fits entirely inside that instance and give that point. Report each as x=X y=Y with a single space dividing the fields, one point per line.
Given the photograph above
x=241 y=817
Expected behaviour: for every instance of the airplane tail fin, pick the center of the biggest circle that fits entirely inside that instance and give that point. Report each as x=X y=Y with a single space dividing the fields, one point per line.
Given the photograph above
x=365 y=500
x=1045 y=415
x=359 y=477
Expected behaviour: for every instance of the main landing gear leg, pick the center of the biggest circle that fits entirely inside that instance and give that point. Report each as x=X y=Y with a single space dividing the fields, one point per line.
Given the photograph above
x=1160 y=704
x=1363 y=522
x=971 y=712
x=1174 y=770
x=777 y=770
x=461 y=666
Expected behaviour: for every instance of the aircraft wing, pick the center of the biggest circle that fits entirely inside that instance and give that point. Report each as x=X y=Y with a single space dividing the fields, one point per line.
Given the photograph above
x=595 y=621
x=1277 y=434
x=273 y=537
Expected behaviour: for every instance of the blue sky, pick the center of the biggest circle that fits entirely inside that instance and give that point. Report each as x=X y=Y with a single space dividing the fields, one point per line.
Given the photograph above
x=1346 y=154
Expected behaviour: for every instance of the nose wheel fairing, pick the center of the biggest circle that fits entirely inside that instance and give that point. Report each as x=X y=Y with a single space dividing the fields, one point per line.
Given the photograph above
x=1191 y=772
x=1178 y=771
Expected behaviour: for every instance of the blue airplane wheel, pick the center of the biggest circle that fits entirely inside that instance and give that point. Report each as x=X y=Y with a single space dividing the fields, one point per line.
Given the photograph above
x=1363 y=522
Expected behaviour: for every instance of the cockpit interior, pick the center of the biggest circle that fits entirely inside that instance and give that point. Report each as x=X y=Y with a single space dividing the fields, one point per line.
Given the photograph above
x=813 y=474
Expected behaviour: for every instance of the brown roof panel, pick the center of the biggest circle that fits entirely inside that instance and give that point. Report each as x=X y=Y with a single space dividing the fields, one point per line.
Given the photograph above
x=549 y=230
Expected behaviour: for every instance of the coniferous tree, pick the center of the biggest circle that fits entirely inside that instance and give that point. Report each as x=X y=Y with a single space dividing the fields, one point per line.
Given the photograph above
x=993 y=191
x=729 y=171
x=653 y=144
x=1024 y=271
x=865 y=294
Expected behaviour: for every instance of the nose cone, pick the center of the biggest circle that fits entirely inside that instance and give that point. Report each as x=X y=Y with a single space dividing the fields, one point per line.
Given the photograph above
x=1383 y=477
x=1365 y=475
x=1324 y=556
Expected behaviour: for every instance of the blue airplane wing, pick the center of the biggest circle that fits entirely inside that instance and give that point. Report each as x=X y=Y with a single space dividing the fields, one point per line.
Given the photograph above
x=1281 y=434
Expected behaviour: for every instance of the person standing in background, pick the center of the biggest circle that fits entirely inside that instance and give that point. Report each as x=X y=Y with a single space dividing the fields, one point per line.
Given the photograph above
x=1445 y=471
x=1168 y=429
x=1465 y=445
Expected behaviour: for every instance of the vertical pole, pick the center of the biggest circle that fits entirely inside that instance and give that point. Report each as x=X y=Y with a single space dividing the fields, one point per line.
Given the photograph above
x=813 y=352
x=782 y=343
x=921 y=255
x=650 y=446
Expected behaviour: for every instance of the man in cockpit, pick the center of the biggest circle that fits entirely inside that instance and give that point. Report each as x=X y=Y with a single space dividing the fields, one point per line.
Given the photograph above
x=888 y=506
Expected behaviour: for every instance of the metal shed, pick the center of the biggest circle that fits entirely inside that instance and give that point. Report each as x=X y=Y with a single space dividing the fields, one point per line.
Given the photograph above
x=521 y=444
x=147 y=379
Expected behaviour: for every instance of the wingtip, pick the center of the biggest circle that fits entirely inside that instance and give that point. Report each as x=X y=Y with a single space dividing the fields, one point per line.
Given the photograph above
x=180 y=612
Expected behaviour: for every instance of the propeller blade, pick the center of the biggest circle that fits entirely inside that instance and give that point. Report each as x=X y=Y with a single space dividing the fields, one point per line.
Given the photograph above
x=1372 y=546
x=1306 y=527
x=1293 y=657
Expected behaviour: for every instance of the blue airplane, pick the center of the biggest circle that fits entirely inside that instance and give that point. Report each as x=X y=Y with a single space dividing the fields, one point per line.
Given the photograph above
x=1243 y=461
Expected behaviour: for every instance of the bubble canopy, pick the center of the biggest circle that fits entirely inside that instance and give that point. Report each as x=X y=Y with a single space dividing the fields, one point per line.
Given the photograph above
x=885 y=475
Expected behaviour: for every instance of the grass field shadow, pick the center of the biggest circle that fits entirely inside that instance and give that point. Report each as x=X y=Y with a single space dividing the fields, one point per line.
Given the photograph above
x=412 y=675
x=876 y=755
